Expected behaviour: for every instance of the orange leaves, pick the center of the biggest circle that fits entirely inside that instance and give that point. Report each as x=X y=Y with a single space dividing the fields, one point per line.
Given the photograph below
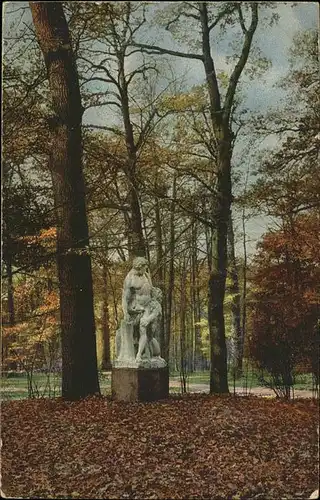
x=288 y=261
x=199 y=447
x=50 y=304
x=11 y=332
x=299 y=238
x=312 y=296
x=46 y=238
x=48 y=234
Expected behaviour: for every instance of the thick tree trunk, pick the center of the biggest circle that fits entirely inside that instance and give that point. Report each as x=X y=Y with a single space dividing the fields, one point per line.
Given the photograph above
x=218 y=265
x=79 y=357
x=217 y=279
x=221 y=126
x=235 y=303
x=106 y=359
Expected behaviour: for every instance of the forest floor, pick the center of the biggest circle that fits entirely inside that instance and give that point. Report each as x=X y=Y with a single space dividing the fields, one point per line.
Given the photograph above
x=193 y=446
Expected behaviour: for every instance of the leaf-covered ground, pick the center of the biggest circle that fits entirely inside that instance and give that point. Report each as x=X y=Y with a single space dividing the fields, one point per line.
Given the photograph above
x=200 y=446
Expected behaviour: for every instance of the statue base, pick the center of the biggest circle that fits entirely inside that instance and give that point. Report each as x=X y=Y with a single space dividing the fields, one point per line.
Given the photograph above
x=154 y=362
x=139 y=384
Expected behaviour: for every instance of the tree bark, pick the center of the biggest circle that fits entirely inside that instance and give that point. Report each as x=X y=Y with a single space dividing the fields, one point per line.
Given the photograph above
x=218 y=267
x=79 y=356
x=217 y=278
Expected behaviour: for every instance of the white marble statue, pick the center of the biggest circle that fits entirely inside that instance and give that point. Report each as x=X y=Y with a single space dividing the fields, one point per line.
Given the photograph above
x=136 y=342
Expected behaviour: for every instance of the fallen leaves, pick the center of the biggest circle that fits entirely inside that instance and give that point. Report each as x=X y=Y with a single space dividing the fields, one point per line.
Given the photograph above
x=199 y=447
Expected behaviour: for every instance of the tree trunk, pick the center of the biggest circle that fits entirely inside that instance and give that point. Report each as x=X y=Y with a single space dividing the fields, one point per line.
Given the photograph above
x=137 y=242
x=218 y=266
x=221 y=126
x=175 y=338
x=137 y=246
x=217 y=278
x=235 y=303
x=171 y=271
x=12 y=365
x=161 y=274
x=106 y=359
x=79 y=356
x=11 y=313
x=195 y=300
x=183 y=339
x=244 y=289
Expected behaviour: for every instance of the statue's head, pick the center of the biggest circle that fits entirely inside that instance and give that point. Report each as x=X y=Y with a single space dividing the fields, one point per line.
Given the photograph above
x=156 y=293
x=140 y=264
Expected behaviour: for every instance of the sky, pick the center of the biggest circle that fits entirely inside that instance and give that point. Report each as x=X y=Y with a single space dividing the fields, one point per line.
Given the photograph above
x=261 y=94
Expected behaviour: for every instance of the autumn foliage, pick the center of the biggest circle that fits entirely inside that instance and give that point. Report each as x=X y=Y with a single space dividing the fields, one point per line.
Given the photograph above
x=286 y=299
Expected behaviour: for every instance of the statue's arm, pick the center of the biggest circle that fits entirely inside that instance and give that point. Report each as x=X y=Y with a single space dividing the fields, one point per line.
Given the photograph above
x=154 y=313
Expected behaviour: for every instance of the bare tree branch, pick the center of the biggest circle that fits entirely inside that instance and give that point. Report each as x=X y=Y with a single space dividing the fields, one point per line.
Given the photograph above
x=95 y=79
x=103 y=127
x=155 y=49
x=100 y=104
x=141 y=70
x=241 y=19
x=228 y=10
x=102 y=68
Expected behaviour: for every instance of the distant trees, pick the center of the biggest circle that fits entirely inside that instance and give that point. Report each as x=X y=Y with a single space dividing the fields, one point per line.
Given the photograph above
x=285 y=308
x=79 y=357
x=27 y=208
x=108 y=61
x=288 y=181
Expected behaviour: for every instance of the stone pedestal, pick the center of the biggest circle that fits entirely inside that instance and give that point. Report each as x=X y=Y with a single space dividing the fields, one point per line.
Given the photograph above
x=139 y=384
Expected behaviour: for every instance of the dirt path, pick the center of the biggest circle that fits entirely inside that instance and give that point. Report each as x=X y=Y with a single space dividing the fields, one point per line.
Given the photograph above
x=253 y=391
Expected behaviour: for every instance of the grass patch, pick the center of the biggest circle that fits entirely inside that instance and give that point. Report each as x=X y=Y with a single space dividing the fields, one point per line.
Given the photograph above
x=16 y=386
